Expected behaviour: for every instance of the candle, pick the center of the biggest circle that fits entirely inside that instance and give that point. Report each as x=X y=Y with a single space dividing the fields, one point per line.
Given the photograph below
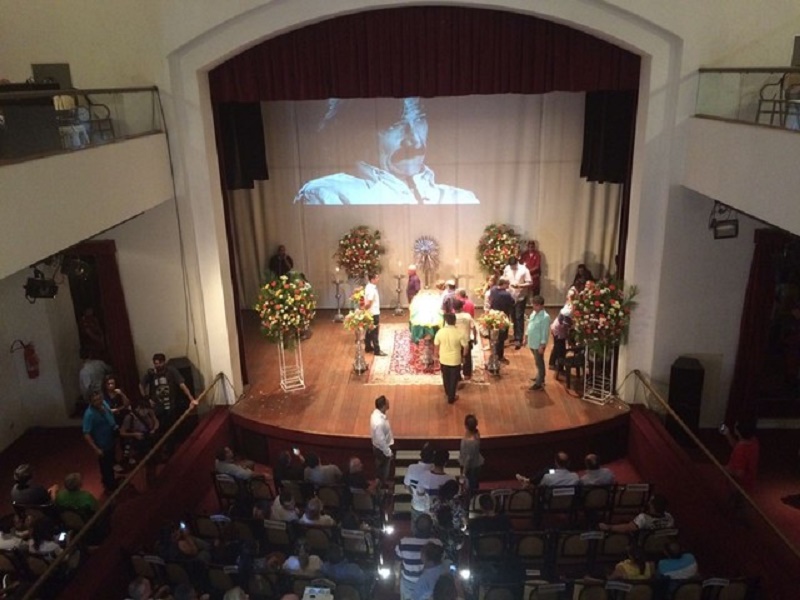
x=337 y=269
x=399 y=264
x=456 y=262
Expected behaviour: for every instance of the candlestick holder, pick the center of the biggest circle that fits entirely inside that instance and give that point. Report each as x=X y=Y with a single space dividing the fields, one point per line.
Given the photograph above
x=338 y=317
x=457 y=278
x=398 y=310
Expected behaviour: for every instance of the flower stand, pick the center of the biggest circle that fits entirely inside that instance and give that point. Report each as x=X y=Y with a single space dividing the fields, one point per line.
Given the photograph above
x=359 y=364
x=291 y=362
x=599 y=375
x=493 y=366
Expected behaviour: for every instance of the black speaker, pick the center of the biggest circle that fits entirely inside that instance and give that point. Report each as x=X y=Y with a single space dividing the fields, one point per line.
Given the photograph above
x=685 y=396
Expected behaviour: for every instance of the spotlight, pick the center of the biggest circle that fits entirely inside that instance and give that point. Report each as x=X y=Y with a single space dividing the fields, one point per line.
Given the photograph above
x=39 y=287
x=724 y=221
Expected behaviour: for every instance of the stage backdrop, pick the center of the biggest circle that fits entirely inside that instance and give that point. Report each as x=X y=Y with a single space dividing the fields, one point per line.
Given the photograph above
x=511 y=159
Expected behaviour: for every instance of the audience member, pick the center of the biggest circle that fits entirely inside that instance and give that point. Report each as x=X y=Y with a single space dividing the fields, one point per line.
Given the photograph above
x=595 y=474
x=466 y=325
x=409 y=551
x=44 y=545
x=561 y=475
x=489 y=520
x=25 y=491
x=445 y=588
x=678 y=564
x=291 y=466
x=302 y=563
x=91 y=374
x=420 y=501
x=74 y=497
x=236 y=593
x=185 y=591
x=139 y=428
x=284 y=508
x=468 y=305
x=634 y=567
x=177 y=543
x=141 y=588
x=743 y=463
x=433 y=567
x=469 y=455
x=501 y=299
x=382 y=438
x=160 y=385
x=115 y=398
x=654 y=517
x=9 y=540
x=226 y=464
x=432 y=480
x=99 y=431
x=356 y=478
x=341 y=570
x=320 y=474
x=313 y=515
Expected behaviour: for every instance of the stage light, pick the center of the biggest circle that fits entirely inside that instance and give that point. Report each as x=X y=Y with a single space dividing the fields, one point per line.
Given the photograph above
x=39 y=287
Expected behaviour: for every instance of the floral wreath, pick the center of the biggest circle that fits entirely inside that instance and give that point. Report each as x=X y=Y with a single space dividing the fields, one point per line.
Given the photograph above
x=359 y=252
x=286 y=305
x=497 y=244
x=601 y=314
x=359 y=319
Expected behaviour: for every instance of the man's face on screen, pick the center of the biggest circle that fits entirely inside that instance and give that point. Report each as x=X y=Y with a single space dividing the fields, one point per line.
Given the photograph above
x=401 y=146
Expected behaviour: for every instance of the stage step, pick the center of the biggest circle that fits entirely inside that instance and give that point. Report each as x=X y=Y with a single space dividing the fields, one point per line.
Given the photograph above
x=406 y=456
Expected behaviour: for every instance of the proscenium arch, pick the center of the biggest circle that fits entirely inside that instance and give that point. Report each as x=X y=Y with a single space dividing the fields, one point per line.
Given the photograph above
x=197 y=176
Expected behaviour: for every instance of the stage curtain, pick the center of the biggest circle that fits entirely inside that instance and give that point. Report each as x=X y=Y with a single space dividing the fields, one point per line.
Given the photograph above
x=424 y=51
x=240 y=135
x=754 y=326
x=608 y=136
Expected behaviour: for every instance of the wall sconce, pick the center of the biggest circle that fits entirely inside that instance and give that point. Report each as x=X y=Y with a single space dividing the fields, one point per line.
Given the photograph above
x=724 y=221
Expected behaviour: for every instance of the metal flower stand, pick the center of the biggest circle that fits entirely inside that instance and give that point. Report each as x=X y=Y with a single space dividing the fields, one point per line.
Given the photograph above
x=291 y=363
x=338 y=317
x=359 y=364
x=493 y=366
x=599 y=375
x=398 y=309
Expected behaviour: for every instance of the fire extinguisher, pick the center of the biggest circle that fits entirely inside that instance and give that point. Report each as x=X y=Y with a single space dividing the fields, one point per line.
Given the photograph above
x=30 y=356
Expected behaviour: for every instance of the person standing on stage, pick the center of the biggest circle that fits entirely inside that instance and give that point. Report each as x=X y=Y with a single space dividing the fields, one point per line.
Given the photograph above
x=532 y=259
x=519 y=281
x=538 y=332
x=500 y=299
x=372 y=303
x=466 y=325
x=382 y=438
x=414 y=284
x=281 y=263
x=449 y=345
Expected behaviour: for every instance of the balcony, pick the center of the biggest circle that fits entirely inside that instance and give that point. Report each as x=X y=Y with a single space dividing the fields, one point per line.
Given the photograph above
x=74 y=163
x=743 y=143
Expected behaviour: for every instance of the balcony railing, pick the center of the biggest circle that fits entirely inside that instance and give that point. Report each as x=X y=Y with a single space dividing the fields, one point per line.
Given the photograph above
x=767 y=96
x=37 y=120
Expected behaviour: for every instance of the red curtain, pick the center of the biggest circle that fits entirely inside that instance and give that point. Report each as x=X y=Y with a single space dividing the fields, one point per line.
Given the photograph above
x=119 y=339
x=424 y=51
x=754 y=328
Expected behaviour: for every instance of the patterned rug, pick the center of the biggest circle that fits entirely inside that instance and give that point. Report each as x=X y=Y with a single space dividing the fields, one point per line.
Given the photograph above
x=403 y=364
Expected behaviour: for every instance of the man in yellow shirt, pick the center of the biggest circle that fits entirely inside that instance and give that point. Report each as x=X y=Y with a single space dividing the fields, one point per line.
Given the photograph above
x=449 y=344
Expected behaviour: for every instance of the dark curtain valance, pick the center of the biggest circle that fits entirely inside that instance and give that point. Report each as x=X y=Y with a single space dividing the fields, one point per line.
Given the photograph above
x=424 y=51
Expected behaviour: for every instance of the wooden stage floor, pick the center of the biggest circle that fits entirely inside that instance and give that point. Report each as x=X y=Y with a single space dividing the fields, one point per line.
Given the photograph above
x=338 y=403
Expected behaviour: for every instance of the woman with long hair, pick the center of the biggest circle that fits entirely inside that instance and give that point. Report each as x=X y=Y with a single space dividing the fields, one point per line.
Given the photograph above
x=469 y=455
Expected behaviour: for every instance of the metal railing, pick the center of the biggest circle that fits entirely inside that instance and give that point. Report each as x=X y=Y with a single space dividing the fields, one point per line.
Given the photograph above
x=44 y=122
x=104 y=512
x=768 y=96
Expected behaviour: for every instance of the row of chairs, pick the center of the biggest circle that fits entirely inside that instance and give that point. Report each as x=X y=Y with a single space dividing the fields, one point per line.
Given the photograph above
x=569 y=505
x=557 y=553
x=260 y=586
x=230 y=490
x=23 y=566
x=715 y=588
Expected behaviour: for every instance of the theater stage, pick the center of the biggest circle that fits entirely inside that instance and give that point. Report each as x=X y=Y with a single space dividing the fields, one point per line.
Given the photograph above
x=332 y=413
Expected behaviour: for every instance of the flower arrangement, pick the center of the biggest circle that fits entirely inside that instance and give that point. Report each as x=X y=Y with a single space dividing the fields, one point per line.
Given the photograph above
x=357 y=297
x=494 y=319
x=497 y=244
x=359 y=319
x=359 y=252
x=286 y=305
x=602 y=313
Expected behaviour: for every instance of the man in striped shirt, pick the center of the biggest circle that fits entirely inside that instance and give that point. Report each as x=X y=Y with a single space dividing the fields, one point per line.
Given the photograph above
x=409 y=551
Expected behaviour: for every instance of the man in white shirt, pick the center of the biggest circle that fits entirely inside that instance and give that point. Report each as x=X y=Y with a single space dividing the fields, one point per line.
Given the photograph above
x=372 y=303
x=561 y=475
x=432 y=480
x=382 y=438
x=519 y=282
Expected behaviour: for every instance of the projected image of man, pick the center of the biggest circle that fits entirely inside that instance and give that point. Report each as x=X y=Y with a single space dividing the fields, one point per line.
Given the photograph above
x=401 y=175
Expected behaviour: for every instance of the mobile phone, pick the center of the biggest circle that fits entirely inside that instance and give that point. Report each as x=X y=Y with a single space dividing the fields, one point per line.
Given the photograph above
x=551 y=471
x=296 y=451
x=62 y=537
x=183 y=525
x=452 y=568
x=723 y=428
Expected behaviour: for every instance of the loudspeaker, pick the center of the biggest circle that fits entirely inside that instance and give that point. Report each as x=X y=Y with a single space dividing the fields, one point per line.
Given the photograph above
x=685 y=396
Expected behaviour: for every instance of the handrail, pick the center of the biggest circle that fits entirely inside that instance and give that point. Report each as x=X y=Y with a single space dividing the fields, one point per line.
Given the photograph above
x=748 y=70
x=73 y=91
x=29 y=595
x=665 y=405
